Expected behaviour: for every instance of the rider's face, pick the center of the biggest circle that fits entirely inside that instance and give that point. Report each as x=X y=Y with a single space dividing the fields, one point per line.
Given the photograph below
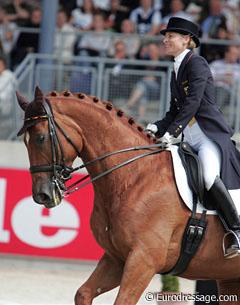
x=175 y=43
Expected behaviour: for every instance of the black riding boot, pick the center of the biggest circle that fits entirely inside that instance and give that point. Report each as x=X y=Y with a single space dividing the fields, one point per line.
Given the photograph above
x=227 y=210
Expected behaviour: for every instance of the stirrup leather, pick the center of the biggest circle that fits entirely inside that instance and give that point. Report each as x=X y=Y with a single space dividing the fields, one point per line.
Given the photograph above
x=235 y=252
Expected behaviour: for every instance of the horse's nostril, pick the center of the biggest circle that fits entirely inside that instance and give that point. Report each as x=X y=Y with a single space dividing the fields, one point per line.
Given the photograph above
x=42 y=198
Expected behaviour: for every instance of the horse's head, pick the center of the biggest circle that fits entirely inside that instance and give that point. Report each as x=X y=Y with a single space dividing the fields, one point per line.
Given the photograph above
x=52 y=145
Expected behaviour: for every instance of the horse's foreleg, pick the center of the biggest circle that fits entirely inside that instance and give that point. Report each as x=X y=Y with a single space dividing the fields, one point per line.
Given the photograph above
x=229 y=292
x=138 y=272
x=105 y=277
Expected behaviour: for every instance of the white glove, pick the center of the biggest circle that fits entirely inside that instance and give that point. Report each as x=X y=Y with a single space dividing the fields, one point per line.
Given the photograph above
x=152 y=128
x=167 y=138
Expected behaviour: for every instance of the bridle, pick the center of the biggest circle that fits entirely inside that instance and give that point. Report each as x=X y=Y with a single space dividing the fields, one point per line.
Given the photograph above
x=62 y=172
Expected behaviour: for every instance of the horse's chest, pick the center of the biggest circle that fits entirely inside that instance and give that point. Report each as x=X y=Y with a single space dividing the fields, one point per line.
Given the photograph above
x=104 y=233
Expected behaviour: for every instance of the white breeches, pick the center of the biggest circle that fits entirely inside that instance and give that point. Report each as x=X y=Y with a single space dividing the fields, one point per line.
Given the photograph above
x=208 y=153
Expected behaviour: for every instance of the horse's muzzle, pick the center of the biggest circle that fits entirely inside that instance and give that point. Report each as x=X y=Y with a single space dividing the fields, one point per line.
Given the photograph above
x=47 y=194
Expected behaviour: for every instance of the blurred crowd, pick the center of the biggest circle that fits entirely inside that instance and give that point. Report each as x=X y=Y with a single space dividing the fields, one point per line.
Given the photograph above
x=85 y=27
x=94 y=19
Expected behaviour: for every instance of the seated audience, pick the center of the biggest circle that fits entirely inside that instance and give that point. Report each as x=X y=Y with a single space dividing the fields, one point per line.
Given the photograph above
x=147 y=20
x=147 y=87
x=8 y=33
x=226 y=72
x=68 y=5
x=130 y=39
x=118 y=80
x=176 y=10
x=64 y=37
x=19 y=11
x=116 y=15
x=27 y=42
x=7 y=93
x=215 y=19
x=97 y=42
x=82 y=17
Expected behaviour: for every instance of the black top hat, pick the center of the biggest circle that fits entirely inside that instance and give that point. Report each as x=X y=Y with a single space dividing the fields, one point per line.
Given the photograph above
x=183 y=26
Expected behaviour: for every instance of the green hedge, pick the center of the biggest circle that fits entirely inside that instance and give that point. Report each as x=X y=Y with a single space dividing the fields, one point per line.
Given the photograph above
x=170 y=283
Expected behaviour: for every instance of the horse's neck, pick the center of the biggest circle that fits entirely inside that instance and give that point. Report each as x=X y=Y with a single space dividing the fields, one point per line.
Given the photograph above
x=107 y=133
x=103 y=131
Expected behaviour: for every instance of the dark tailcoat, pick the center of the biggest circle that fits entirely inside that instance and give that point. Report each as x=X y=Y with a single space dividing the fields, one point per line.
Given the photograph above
x=192 y=95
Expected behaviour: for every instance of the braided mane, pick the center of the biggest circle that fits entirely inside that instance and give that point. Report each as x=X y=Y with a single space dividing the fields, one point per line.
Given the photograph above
x=108 y=106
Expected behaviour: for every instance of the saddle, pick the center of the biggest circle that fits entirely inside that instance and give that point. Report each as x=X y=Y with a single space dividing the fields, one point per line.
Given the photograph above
x=196 y=227
x=193 y=170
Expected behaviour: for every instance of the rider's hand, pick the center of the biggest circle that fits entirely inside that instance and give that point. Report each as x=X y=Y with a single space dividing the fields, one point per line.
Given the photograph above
x=151 y=128
x=167 y=138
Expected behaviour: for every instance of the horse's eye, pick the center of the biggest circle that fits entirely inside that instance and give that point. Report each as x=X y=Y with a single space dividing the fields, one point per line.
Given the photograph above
x=40 y=139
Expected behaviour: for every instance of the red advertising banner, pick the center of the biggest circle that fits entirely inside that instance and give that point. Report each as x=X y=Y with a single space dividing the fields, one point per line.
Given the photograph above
x=27 y=228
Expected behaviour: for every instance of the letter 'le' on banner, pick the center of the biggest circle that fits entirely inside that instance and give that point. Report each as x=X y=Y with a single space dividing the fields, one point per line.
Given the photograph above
x=27 y=228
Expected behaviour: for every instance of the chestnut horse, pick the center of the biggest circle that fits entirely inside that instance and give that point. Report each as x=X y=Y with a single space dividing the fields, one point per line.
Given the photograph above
x=138 y=216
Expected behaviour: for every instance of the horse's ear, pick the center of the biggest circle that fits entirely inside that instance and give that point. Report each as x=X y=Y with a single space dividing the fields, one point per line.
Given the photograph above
x=23 y=103
x=38 y=93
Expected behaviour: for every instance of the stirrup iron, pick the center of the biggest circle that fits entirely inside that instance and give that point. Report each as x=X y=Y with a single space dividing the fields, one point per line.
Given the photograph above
x=235 y=252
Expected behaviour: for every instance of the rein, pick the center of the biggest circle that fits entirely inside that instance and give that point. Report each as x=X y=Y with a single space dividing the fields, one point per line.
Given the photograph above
x=69 y=190
x=62 y=173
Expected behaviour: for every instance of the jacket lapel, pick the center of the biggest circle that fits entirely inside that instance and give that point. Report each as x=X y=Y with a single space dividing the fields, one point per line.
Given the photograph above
x=174 y=82
x=183 y=65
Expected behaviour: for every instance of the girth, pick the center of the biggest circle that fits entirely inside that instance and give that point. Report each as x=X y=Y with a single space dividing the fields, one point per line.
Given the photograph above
x=196 y=226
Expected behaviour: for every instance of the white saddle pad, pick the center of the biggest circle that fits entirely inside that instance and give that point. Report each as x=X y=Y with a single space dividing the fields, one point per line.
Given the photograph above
x=183 y=187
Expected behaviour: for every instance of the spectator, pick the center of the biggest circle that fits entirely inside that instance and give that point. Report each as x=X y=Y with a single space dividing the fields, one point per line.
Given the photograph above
x=146 y=19
x=68 y=5
x=19 y=11
x=7 y=91
x=158 y=4
x=231 y=9
x=64 y=38
x=215 y=19
x=147 y=87
x=176 y=10
x=212 y=51
x=95 y=43
x=214 y=26
x=226 y=72
x=7 y=33
x=82 y=17
x=131 y=41
x=131 y=5
x=118 y=81
x=194 y=10
x=120 y=53
x=102 y=6
x=27 y=42
x=116 y=15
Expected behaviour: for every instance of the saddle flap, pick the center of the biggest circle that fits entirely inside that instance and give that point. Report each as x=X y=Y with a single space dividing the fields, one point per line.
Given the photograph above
x=193 y=170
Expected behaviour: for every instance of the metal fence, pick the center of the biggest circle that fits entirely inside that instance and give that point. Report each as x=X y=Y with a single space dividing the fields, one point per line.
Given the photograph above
x=108 y=79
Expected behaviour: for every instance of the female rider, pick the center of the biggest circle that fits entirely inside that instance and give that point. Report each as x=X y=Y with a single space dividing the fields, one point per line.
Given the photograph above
x=194 y=113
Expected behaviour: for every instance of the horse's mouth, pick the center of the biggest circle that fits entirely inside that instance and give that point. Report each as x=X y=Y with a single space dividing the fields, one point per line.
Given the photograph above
x=56 y=200
x=51 y=205
x=49 y=200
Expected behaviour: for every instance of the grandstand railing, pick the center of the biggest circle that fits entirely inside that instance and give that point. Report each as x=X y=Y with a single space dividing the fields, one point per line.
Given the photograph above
x=95 y=76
